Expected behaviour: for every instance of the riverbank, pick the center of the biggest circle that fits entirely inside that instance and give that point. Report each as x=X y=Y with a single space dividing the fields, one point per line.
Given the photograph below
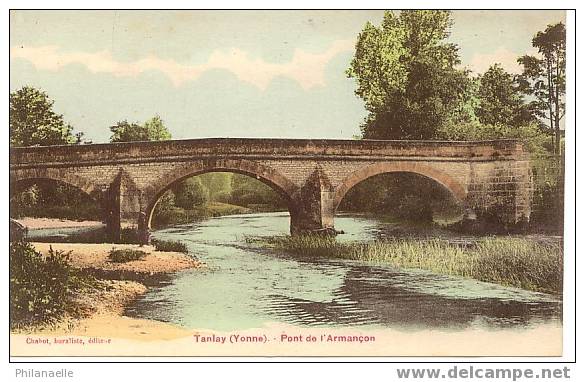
x=99 y=307
x=259 y=295
x=95 y=257
x=509 y=261
x=176 y=216
x=44 y=223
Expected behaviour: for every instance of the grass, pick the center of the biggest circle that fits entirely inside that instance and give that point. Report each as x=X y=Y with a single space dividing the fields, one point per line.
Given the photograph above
x=128 y=235
x=170 y=246
x=221 y=209
x=126 y=255
x=509 y=261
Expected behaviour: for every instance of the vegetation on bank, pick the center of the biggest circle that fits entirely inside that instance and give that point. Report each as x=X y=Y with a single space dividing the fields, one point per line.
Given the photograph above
x=128 y=235
x=126 y=255
x=51 y=199
x=170 y=246
x=510 y=261
x=48 y=288
x=214 y=194
x=172 y=215
x=42 y=288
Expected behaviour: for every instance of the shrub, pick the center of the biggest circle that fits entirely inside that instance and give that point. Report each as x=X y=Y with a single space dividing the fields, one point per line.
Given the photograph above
x=40 y=287
x=126 y=255
x=223 y=197
x=170 y=246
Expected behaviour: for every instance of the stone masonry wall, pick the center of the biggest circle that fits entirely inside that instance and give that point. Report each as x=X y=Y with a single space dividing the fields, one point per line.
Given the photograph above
x=488 y=177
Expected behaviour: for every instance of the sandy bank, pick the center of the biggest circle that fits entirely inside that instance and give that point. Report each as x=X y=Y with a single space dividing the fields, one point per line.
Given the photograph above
x=41 y=223
x=96 y=256
x=101 y=316
x=101 y=308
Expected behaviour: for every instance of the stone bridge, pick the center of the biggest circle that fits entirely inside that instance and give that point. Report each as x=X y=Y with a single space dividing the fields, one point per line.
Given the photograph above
x=486 y=177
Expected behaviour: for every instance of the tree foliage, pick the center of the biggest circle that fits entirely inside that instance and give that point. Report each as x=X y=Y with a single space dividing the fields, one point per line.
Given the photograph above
x=393 y=195
x=247 y=191
x=219 y=184
x=48 y=198
x=152 y=130
x=406 y=75
x=190 y=193
x=33 y=121
x=500 y=101
x=543 y=78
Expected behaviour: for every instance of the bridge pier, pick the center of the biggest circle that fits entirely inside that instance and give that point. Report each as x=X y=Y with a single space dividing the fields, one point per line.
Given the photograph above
x=122 y=202
x=111 y=207
x=313 y=206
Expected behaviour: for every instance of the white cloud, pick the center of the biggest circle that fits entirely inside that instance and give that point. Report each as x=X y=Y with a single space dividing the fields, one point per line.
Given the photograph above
x=480 y=62
x=308 y=69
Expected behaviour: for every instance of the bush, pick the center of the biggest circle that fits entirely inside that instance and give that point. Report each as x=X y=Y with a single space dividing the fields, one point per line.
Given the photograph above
x=548 y=197
x=223 y=197
x=40 y=287
x=126 y=255
x=170 y=246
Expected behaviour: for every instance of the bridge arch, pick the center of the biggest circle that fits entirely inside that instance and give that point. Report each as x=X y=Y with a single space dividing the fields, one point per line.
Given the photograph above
x=452 y=185
x=67 y=177
x=263 y=173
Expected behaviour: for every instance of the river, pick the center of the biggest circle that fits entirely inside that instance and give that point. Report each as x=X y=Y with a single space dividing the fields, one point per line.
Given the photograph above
x=243 y=287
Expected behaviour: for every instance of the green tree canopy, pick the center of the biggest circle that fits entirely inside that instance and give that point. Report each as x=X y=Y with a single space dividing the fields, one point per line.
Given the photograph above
x=500 y=101
x=543 y=77
x=406 y=75
x=190 y=193
x=152 y=130
x=219 y=184
x=33 y=121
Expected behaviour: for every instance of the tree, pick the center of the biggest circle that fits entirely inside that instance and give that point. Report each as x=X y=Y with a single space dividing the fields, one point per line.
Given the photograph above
x=219 y=184
x=406 y=75
x=544 y=78
x=156 y=129
x=190 y=193
x=247 y=191
x=166 y=201
x=500 y=101
x=152 y=130
x=33 y=121
x=124 y=131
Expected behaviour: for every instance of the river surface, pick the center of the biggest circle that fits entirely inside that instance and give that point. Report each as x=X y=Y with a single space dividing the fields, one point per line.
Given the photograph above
x=243 y=287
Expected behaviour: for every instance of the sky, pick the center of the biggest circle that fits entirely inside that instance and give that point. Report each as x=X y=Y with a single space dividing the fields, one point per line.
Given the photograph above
x=226 y=73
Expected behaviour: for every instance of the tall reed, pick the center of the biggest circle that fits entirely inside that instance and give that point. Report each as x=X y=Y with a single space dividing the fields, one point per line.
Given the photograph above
x=517 y=262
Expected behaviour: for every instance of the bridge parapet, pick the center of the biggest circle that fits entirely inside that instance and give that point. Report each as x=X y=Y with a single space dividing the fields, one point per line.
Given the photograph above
x=265 y=148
